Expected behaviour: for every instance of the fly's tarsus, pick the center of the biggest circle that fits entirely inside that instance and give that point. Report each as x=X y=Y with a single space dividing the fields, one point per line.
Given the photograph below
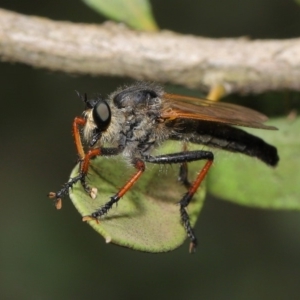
x=188 y=228
x=64 y=191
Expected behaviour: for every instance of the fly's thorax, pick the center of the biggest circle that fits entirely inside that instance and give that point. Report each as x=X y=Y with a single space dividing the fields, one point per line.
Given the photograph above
x=142 y=130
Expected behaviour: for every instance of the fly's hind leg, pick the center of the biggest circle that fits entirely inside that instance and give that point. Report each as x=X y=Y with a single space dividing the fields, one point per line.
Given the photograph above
x=184 y=158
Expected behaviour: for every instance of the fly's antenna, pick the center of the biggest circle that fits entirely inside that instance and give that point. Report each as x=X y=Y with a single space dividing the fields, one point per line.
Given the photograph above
x=83 y=98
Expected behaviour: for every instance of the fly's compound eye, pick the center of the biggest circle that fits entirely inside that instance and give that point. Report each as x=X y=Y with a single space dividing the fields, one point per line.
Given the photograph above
x=102 y=115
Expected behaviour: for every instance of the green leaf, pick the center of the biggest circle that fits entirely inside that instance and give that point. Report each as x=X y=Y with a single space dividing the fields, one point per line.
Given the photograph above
x=147 y=218
x=248 y=181
x=135 y=13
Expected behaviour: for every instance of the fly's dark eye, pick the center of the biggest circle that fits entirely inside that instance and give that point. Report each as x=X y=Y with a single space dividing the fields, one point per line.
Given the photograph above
x=102 y=115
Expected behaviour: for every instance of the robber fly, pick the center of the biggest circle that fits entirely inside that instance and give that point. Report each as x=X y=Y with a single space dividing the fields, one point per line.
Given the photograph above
x=135 y=120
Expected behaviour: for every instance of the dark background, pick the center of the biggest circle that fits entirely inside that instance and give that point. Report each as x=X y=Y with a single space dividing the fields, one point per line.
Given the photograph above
x=45 y=254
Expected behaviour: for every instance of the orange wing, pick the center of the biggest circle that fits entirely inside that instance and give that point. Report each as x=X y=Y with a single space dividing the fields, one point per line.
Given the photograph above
x=182 y=107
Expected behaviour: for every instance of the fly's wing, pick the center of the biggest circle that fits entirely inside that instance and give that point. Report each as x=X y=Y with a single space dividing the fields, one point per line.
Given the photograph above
x=182 y=107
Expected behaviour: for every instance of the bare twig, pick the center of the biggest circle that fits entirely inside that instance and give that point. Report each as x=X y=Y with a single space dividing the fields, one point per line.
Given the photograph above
x=242 y=65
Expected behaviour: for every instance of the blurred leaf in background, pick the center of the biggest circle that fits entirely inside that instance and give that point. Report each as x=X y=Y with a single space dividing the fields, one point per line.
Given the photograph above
x=134 y=13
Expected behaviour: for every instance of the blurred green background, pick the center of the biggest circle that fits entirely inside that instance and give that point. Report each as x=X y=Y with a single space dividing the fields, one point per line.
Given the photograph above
x=45 y=254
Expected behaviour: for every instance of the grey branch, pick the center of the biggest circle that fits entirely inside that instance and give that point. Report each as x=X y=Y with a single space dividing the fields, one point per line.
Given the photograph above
x=241 y=65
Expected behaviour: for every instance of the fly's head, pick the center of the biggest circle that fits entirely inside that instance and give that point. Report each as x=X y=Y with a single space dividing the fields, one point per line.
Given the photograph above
x=98 y=117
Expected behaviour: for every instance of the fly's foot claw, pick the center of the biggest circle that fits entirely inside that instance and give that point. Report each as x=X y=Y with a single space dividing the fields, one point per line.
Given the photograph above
x=57 y=200
x=192 y=248
x=90 y=218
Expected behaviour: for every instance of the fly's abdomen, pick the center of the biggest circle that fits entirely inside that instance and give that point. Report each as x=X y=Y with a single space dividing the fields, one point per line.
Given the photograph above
x=228 y=138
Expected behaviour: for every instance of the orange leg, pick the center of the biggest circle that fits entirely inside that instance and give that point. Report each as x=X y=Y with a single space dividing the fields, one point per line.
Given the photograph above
x=140 y=165
x=184 y=202
x=84 y=169
x=76 y=123
x=65 y=189
x=81 y=177
x=183 y=158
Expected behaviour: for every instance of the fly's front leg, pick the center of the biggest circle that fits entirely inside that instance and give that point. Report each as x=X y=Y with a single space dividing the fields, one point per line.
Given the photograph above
x=140 y=166
x=77 y=138
x=78 y=121
x=184 y=158
x=84 y=166
x=63 y=191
